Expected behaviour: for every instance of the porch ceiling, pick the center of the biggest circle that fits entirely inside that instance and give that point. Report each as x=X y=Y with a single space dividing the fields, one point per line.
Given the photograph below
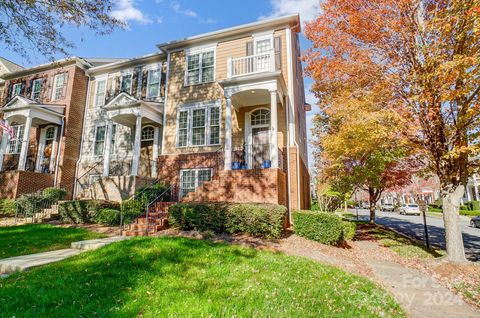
x=251 y=98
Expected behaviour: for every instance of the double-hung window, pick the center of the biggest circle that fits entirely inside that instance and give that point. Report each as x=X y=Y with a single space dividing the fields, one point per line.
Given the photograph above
x=100 y=92
x=58 y=86
x=100 y=135
x=126 y=83
x=17 y=88
x=14 y=145
x=192 y=178
x=37 y=88
x=200 y=67
x=198 y=126
x=153 y=83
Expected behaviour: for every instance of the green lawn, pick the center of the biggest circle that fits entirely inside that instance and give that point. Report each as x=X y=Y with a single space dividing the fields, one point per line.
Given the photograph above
x=36 y=238
x=179 y=277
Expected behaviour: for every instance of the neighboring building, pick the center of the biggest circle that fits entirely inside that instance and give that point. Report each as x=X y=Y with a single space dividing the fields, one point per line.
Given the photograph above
x=6 y=66
x=45 y=106
x=221 y=115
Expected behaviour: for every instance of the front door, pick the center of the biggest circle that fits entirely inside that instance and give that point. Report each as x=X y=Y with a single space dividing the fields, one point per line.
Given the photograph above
x=46 y=150
x=260 y=146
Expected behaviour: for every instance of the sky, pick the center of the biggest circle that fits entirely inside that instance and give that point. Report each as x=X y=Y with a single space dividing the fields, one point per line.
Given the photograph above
x=151 y=22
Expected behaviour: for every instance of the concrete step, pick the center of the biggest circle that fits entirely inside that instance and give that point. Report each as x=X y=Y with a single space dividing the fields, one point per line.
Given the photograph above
x=96 y=244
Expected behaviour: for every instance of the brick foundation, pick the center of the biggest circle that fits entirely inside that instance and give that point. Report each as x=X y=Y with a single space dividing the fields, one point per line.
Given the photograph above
x=15 y=183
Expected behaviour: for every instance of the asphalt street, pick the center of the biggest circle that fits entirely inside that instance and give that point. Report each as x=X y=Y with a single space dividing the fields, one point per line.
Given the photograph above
x=413 y=226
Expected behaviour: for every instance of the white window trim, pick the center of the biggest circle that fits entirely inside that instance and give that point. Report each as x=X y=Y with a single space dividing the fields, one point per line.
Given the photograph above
x=200 y=50
x=207 y=106
x=196 y=177
x=95 y=140
x=97 y=81
x=33 y=87
x=54 y=89
x=18 y=140
x=13 y=89
x=147 y=126
x=150 y=69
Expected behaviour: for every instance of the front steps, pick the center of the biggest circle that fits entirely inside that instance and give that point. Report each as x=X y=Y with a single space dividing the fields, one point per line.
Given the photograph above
x=157 y=221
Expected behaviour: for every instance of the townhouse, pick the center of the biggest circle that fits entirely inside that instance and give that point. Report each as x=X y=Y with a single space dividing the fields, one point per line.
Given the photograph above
x=220 y=116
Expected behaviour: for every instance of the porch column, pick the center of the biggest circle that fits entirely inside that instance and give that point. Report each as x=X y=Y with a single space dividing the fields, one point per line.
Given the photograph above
x=273 y=129
x=228 y=135
x=3 y=147
x=136 y=146
x=108 y=146
x=156 y=134
x=475 y=187
x=467 y=190
x=25 y=141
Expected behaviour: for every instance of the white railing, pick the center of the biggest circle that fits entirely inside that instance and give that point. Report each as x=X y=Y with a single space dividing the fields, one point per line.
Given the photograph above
x=258 y=63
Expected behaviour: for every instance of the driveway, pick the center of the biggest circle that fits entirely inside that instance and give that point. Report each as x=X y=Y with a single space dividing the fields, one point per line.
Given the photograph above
x=413 y=226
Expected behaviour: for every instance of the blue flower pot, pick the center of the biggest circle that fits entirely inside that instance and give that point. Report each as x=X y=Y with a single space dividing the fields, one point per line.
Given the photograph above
x=266 y=164
x=236 y=166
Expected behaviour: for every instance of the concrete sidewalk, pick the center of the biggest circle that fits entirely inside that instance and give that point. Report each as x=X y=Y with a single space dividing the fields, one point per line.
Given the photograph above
x=25 y=262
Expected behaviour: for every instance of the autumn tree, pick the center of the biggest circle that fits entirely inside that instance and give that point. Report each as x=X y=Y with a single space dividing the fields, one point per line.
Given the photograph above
x=37 y=26
x=360 y=148
x=423 y=56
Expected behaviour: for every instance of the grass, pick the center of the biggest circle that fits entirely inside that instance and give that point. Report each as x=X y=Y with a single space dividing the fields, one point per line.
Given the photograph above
x=462 y=212
x=179 y=277
x=36 y=238
x=403 y=246
x=469 y=291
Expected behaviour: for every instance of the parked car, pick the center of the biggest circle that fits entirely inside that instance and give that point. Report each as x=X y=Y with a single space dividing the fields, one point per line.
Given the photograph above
x=387 y=207
x=410 y=209
x=475 y=221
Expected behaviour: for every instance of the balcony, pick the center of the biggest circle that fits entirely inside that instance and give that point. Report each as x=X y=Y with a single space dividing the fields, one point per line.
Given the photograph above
x=263 y=63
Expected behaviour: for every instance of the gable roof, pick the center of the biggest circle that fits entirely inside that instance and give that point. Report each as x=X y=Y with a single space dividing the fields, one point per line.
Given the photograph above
x=10 y=66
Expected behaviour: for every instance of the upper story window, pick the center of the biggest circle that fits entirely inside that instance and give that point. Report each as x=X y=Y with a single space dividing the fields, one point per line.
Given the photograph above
x=100 y=91
x=15 y=145
x=126 y=83
x=37 y=88
x=58 y=86
x=198 y=126
x=200 y=67
x=153 y=83
x=17 y=88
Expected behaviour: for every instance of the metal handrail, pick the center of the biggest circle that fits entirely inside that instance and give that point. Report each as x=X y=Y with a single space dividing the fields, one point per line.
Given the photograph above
x=151 y=203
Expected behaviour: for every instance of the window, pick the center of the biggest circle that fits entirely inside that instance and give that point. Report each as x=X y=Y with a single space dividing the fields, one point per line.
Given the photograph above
x=17 y=88
x=126 y=83
x=15 y=145
x=58 y=85
x=200 y=68
x=37 y=88
x=261 y=117
x=99 y=141
x=148 y=133
x=50 y=133
x=153 y=83
x=190 y=179
x=100 y=93
x=198 y=126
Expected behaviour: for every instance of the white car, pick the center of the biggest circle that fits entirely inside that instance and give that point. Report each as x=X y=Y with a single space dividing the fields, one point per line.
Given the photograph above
x=410 y=209
x=387 y=207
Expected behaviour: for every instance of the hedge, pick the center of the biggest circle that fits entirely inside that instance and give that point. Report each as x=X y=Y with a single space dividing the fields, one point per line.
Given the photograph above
x=84 y=211
x=326 y=228
x=107 y=217
x=262 y=220
x=7 y=207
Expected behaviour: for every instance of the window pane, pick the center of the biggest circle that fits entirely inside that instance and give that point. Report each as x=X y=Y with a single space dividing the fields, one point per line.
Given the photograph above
x=126 y=83
x=207 y=75
x=153 y=83
x=50 y=133
x=214 y=116
x=193 y=61
x=59 y=82
x=204 y=175
x=183 y=120
x=214 y=135
x=187 y=182
x=182 y=138
x=192 y=77
x=148 y=133
x=100 y=93
x=198 y=136
x=207 y=59
x=37 y=88
x=198 y=118
x=99 y=140
x=261 y=117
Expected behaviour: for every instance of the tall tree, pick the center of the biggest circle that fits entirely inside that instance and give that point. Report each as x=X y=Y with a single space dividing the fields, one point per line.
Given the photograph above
x=423 y=57
x=36 y=26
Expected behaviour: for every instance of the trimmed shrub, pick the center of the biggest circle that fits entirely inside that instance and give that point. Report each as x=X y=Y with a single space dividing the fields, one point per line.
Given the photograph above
x=349 y=230
x=107 y=217
x=323 y=227
x=131 y=209
x=84 y=211
x=7 y=207
x=465 y=207
x=29 y=204
x=263 y=220
x=147 y=194
x=54 y=194
x=474 y=205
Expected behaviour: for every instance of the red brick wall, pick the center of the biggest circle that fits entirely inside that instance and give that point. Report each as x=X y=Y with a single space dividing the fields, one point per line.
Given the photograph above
x=8 y=184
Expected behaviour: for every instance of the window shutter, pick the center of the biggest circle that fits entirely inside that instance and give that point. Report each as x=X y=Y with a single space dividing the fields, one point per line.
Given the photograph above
x=277 y=44
x=23 y=88
x=9 y=92
x=44 y=93
x=117 y=86
x=144 y=84
x=135 y=80
x=28 y=91
x=65 y=85
x=249 y=48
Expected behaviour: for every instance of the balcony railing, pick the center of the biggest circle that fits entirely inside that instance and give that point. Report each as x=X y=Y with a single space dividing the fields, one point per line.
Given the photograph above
x=253 y=64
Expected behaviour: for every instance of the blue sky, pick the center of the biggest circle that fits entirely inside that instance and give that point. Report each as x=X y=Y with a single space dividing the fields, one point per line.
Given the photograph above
x=157 y=21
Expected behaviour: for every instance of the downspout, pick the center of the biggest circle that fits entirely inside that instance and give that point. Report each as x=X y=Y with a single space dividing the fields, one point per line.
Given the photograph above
x=83 y=136
x=290 y=104
x=55 y=180
x=289 y=204
x=165 y=104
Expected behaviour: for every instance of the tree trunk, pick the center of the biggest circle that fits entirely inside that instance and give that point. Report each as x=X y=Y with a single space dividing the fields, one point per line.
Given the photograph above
x=373 y=201
x=453 y=233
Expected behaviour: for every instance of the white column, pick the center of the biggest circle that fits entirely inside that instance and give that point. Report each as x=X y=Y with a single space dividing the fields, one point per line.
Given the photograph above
x=156 y=134
x=469 y=196
x=475 y=185
x=273 y=129
x=3 y=147
x=108 y=146
x=228 y=135
x=54 y=154
x=25 y=141
x=136 y=146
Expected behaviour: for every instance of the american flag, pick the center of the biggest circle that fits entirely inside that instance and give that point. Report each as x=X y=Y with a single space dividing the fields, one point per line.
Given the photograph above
x=8 y=129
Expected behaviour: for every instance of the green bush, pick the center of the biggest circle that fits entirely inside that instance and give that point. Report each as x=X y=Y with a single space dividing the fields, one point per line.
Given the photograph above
x=54 y=194
x=148 y=193
x=131 y=209
x=326 y=228
x=474 y=205
x=29 y=204
x=107 y=217
x=7 y=207
x=263 y=220
x=465 y=207
x=84 y=211
x=349 y=230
